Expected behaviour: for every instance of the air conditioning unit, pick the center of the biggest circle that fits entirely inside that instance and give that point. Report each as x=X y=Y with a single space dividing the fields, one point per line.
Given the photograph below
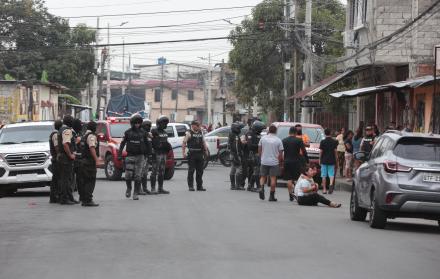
x=349 y=39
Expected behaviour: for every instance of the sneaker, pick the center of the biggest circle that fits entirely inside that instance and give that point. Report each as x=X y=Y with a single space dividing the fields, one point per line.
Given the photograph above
x=162 y=191
x=92 y=203
x=201 y=189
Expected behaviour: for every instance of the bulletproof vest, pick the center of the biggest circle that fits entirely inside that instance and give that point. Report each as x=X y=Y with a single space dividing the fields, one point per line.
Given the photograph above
x=253 y=140
x=135 y=141
x=195 y=143
x=235 y=144
x=160 y=141
x=85 y=148
x=367 y=147
x=53 y=151
x=60 y=140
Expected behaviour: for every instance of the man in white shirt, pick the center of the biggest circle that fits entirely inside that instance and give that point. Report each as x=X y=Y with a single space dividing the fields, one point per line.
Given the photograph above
x=270 y=149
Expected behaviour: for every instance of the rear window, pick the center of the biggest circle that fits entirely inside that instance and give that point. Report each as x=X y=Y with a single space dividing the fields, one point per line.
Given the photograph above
x=117 y=130
x=418 y=149
x=170 y=131
x=25 y=134
x=181 y=130
x=315 y=134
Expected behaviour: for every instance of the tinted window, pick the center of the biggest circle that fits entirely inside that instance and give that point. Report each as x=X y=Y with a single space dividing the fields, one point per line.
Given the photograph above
x=418 y=149
x=170 y=131
x=221 y=132
x=117 y=130
x=190 y=95
x=315 y=134
x=25 y=134
x=181 y=130
x=157 y=95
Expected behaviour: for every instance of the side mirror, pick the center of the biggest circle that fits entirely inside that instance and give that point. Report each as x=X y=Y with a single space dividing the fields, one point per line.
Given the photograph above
x=102 y=137
x=361 y=156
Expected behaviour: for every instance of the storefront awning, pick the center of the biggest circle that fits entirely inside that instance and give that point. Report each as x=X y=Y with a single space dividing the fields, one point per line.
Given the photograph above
x=412 y=83
x=319 y=86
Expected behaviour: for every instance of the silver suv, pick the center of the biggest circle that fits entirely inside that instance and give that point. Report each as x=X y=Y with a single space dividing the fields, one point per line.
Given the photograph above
x=24 y=156
x=400 y=178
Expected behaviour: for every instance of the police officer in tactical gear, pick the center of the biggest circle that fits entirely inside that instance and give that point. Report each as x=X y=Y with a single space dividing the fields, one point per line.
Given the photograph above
x=252 y=139
x=146 y=126
x=236 y=148
x=54 y=151
x=197 y=147
x=161 y=147
x=77 y=134
x=89 y=146
x=135 y=140
x=66 y=157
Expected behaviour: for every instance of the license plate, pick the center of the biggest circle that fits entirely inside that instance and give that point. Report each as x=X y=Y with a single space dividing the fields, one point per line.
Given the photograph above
x=26 y=177
x=431 y=178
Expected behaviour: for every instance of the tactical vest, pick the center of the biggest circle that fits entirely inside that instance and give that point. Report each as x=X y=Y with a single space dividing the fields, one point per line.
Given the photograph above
x=253 y=140
x=195 y=142
x=85 y=148
x=60 y=140
x=160 y=141
x=366 y=146
x=135 y=142
x=53 y=151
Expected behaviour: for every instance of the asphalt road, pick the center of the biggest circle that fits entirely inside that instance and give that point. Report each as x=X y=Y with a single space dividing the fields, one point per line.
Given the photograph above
x=214 y=234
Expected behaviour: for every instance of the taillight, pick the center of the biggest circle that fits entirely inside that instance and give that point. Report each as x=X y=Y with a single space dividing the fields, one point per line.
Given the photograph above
x=389 y=198
x=393 y=167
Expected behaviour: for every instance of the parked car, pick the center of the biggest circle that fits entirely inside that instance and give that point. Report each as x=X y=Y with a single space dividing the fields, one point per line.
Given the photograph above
x=218 y=138
x=110 y=133
x=400 y=178
x=315 y=133
x=25 y=156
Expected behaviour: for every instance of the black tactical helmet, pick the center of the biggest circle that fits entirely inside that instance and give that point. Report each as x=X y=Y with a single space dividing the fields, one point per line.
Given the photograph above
x=77 y=125
x=68 y=120
x=136 y=119
x=162 y=122
x=147 y=125
x=236 y=127
x=258 y=126
x=58 y=123
x=91 y=126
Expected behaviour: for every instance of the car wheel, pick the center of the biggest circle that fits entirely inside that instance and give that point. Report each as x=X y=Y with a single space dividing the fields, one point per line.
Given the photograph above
x=356 y=213
x=378 y=217
x=224 y=158
x=111 y=172
x=206 y=157
x=169 y=173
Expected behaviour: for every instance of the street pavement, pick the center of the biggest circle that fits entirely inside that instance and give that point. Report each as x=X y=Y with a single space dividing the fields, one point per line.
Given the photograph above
x=214 y=234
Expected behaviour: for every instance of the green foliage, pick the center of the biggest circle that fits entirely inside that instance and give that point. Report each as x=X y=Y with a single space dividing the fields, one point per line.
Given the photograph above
x=33 y=41
x=9 y=77
x=44 y=77
x=70 y=99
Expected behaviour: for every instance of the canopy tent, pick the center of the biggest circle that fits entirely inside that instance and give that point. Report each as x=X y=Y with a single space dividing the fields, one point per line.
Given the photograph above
x=126 y=106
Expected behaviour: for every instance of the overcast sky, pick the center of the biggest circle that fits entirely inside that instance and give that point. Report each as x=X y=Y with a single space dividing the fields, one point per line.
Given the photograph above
x=148 y=54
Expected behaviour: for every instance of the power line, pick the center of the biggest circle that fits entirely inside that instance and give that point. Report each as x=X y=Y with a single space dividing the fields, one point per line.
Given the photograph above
x=108 y=5
x=164 y=12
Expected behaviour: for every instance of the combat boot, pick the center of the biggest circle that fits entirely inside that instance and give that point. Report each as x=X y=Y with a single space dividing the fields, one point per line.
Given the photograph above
x=162 y=191
x=272 y=197
x=153 y=185
x=232 y=178
x=128 y=192
x=239 y=183
x=137 y=187
x=144 y=187
x=90 y=203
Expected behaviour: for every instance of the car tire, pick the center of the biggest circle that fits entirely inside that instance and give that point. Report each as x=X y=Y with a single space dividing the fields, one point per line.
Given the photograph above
x=378 y=217
x=206 y=157
x=111 y=172
x=224 y=158
x=357 y=213
x=169 y=173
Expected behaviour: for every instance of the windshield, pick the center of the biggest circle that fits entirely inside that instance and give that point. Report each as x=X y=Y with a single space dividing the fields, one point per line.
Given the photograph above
x=418 y=149
x=25 y=134
x=117 y=130
x=315 y=134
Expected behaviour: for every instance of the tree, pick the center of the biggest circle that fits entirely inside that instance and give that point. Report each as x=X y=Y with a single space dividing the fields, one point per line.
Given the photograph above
x=258 y=43
x=33 y=41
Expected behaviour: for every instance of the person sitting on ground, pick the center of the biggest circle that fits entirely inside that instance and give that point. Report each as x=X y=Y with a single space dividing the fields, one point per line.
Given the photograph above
x=306 y=189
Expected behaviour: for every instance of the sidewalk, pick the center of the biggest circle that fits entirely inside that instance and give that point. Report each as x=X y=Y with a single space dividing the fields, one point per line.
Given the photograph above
x=342 y=184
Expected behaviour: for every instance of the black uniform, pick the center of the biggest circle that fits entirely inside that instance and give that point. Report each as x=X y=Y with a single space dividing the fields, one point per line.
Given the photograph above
x=161 y=147
x=66 y=163
x=53 y=143
x=146 y=126
x=87 y=166
x=252 y=139
x=135 y=142
x=77 y=134
x=237 y=149
x=367 y=143
x=196 y=148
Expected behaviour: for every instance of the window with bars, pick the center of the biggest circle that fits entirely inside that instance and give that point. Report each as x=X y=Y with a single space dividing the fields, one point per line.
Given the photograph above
x=157 y=95
x=190 y=95
x=174 y=94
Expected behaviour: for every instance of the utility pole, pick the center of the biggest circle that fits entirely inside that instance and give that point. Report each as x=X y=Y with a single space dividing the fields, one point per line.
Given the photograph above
x=295 y=63
x=123 y=66
x=305 y=117
x=129 y=73
x=94 y=98
x=162 y=62
x=101 y=78
x=108 y=92
x=286 y=64
x=177 y=94
x=209 y=89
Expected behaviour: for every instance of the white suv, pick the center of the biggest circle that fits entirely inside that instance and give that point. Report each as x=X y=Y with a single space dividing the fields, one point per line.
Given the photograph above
x=25 y=156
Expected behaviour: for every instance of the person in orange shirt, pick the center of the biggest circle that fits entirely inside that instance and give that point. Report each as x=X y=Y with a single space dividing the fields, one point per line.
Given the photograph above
x=305 y=138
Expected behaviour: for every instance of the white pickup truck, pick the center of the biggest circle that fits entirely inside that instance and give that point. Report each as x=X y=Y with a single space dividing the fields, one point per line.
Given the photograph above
x=25 y=156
